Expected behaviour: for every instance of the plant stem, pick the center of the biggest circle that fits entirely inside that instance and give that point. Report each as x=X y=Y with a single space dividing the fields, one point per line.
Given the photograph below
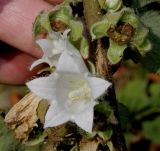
x=92 y=14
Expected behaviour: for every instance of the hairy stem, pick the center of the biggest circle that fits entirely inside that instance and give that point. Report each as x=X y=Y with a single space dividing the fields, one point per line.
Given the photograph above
x=92 y=14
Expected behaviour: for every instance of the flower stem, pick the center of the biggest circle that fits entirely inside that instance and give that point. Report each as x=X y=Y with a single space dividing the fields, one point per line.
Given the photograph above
x=92 y=14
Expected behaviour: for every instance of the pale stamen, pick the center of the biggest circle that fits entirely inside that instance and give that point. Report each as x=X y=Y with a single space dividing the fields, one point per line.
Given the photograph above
x=82 y=92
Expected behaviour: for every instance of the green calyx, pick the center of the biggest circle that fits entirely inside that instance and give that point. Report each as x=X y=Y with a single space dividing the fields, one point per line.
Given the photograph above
x=61 y=13
x=41 y=24
x=145 y=47
x=64 y=14
x=100 y=28
x=123 y=28
x=115 y=52
x=60 y=19
x=140 y=40
x=76 y=29
x=110 y=5
x=130 y=18
x=110 y=20
x=91 y=67
x=82 y=45
x=76 y=34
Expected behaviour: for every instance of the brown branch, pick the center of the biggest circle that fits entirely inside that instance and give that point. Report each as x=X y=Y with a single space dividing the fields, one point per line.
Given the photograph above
x=92 y=15
x=101 y=61
x=104 y=69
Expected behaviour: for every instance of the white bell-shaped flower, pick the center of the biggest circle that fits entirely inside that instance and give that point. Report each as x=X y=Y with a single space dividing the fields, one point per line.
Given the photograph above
x=53 y=47
x=71 y=92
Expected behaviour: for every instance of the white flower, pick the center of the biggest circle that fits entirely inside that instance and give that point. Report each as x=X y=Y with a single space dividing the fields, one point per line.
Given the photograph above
x=53 y=47
x=71 y=92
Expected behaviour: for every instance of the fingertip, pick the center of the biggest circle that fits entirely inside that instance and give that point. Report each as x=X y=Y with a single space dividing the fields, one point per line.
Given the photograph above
x=14 y=67
x=16 y=18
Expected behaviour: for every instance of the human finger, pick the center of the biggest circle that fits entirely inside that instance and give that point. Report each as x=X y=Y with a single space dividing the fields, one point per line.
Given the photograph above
x=16 y=18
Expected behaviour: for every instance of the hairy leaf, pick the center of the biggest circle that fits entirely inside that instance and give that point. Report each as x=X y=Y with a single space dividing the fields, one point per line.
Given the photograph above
x=137 y=100
x=142 y=3
x=151 y=61
x=7 y=139
x=151 y=130
x=151 y=19
x=155 y=94
x=124 y=115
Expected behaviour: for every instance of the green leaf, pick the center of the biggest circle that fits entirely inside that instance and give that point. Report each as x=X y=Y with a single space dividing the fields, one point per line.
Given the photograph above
x=151 y=19
x=133 y=95
x=135 y=4
x=155 y=95
x=104 y=108
x=153 y=105
x=115 y=52
x=128 y=137
x=151 y=130
x=105 y=135
x=146 y=2
x=142 y=3
x=151 y=61
x=124 y=115
x=7 y=139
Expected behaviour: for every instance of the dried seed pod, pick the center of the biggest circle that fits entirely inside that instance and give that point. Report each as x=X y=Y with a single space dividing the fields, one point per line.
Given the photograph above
x=23 y=116
x=122 y=34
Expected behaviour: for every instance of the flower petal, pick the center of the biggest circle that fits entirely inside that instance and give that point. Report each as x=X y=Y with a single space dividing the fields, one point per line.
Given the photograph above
x=71 y=49
x=71 y=64
x=46 y=46
x=58 y=45
x=44 y=87
x=85 y=119
x=65 y=33
x=55 y=116
x=40 y=61
x=98 y=86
